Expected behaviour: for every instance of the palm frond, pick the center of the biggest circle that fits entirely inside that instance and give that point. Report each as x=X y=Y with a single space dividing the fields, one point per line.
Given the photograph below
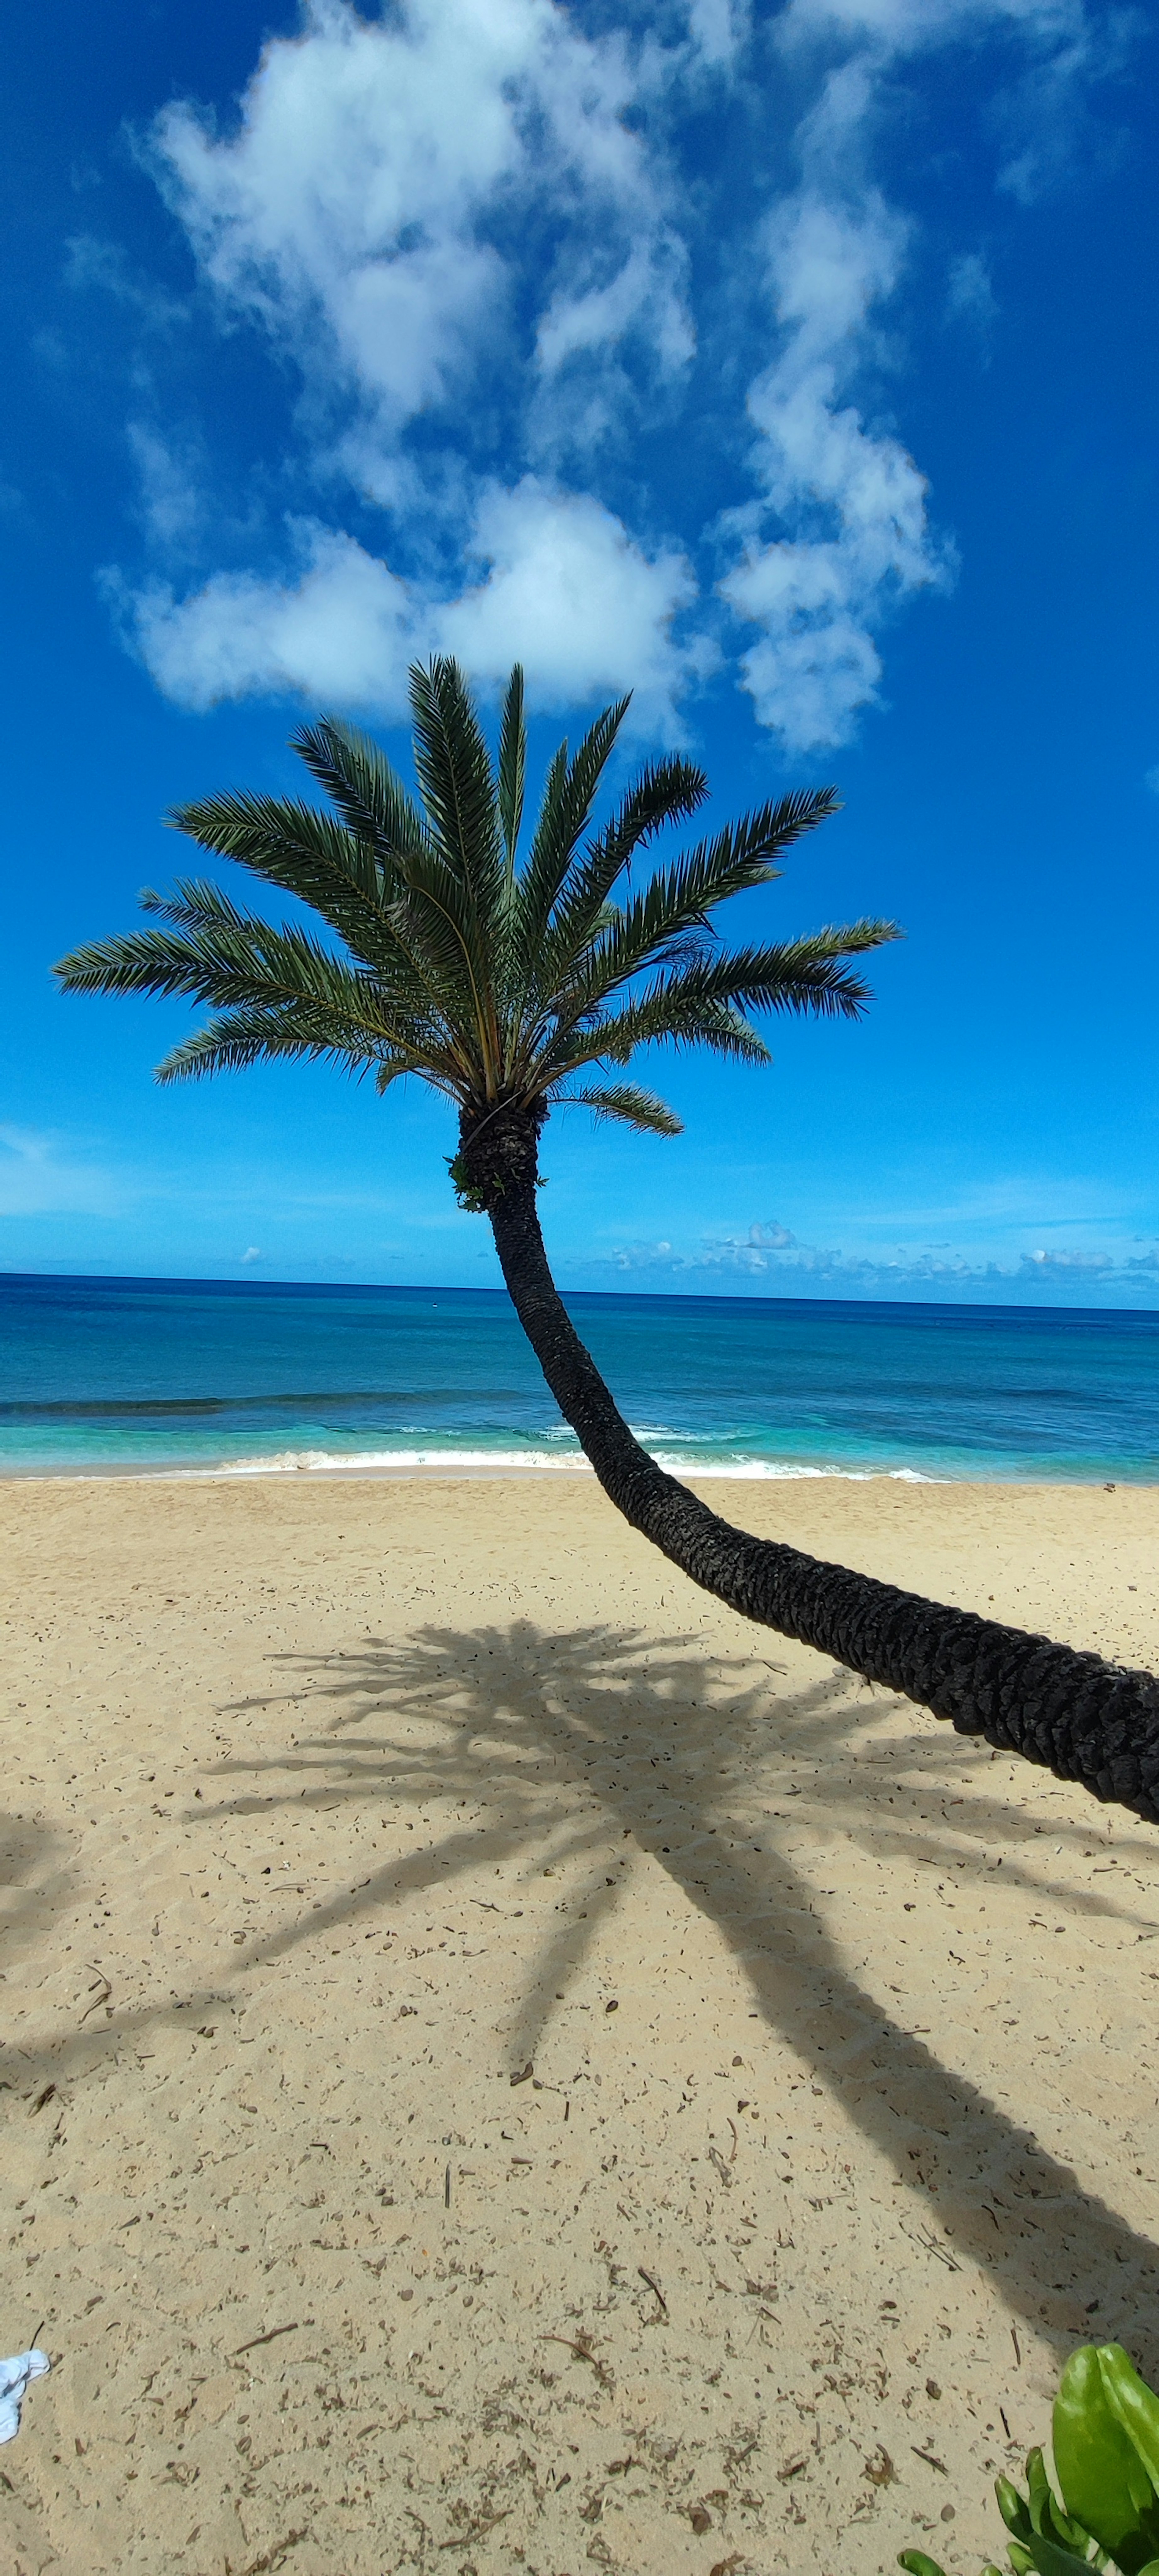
x=666 y=792
x=230 y=961
x=512 y=765
x=308 y=854
x=436 y=953
x=682 y=898
x=563 y=817
x=457 y=782
x=659 y=1019
x=643 y=1110
x=254 y=1036
x=808 y=974
x=358 y=778
x=436 y=923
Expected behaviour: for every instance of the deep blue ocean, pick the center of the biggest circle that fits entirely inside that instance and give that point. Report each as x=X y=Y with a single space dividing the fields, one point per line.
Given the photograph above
x=193 y=1375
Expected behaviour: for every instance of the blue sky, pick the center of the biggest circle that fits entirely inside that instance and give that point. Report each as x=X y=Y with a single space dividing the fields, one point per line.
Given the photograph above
x=796 y=369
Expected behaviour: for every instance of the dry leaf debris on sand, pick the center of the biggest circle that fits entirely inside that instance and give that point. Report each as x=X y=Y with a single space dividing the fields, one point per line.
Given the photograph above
x=366 y=2237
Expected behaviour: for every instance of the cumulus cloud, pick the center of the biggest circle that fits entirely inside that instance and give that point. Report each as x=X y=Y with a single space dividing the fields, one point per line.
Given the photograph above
x=463 y=227
x=563 y=587
x=341 y=632
x=568 y=590
x=360 y=205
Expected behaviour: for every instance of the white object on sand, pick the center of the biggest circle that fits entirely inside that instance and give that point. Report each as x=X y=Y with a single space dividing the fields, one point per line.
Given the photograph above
x=14 y=2377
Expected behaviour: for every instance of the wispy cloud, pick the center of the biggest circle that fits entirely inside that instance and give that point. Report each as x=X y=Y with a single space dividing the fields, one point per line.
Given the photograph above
x=40 y=1175
x=970 y=294
x=854 y=500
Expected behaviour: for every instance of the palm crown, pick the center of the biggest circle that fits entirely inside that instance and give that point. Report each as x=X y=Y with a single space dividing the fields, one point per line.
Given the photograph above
x=498 y=978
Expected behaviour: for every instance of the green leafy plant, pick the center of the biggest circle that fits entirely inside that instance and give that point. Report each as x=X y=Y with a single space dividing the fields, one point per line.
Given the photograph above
x=1103 y=2509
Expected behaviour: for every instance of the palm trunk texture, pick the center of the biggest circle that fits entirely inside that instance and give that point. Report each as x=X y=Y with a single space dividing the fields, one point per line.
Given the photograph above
x=1080 y=1717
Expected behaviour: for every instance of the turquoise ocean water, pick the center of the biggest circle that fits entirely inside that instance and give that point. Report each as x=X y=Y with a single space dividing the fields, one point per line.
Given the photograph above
x=148 y=1375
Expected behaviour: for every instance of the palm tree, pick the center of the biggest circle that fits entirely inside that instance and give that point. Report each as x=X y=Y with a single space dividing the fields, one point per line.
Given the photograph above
x=506 y=983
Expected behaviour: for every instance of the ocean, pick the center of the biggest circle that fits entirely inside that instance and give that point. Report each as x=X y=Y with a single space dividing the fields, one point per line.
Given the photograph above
x=151 y=1376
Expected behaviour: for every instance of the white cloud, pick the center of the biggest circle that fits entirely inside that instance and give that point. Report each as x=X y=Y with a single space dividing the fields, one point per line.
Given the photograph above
x=171 y=503
x=892 y=28
x=565 y=590
x=718 y=29
x=342 y=633
x=90 y=263
x=356 y=209
x=571 y=595
x=853 y=503
x=463 y=224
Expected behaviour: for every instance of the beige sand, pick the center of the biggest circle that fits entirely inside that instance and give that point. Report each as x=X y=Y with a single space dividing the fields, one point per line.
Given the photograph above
x=334 y=1808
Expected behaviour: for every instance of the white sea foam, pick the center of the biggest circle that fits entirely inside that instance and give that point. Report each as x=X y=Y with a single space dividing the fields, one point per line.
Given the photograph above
x=496 y=1462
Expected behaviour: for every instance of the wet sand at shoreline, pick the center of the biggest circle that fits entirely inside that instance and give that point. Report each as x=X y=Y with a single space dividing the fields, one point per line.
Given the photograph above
x=332 y=1807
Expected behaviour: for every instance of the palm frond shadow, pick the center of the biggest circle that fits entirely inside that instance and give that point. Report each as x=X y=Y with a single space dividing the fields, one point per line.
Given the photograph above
x=524 y=1719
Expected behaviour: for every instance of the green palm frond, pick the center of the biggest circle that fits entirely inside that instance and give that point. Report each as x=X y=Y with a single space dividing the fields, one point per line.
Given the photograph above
x=667 y=792
x=454 y=772
x=681 y=898
x=659 y=1019
x=512 y=767
x=438 y=951
x=357 y=777
x=643 y=1110
x=310 y=855
x=563 y=818
x=253 y=1036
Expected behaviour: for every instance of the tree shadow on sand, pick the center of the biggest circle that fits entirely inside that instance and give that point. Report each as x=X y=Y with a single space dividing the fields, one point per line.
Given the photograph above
x=556 y=1746
x=665 y=1744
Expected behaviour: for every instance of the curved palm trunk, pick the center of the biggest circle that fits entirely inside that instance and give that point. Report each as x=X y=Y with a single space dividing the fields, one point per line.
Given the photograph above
x=1082 y=1718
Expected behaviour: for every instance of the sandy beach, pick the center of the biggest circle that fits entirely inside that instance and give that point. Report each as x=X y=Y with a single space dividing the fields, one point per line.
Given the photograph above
x=508 y=2067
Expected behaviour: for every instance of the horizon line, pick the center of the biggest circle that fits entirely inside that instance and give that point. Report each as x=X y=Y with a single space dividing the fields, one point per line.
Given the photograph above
x=669 y=1296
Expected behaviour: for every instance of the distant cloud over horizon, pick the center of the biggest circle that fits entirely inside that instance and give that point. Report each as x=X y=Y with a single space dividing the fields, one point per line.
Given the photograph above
x=769 y=1253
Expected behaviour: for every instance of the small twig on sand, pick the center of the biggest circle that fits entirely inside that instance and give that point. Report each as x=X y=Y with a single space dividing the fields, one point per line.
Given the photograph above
x=271 y=2337
x=474 y=2531
x=654 y=2286
x=269 y=2557
x=581 y=2350
x=924 y=2237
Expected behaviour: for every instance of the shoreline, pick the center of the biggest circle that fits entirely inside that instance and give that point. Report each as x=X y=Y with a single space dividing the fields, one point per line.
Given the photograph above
x=449 y=1470
x=475 y=1470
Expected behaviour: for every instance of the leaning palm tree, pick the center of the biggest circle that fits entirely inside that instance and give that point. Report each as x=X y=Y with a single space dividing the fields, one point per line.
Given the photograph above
x=511 y=983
